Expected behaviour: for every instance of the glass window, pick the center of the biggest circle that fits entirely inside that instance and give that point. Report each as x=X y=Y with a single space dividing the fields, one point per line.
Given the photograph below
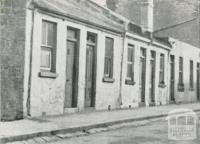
x=130 y=62
x=48 y=48
x=180 y=70
x=108 y=66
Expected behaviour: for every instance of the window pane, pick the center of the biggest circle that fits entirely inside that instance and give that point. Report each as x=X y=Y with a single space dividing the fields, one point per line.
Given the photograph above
x=108 y=67
x=143 y=52
x=107 y=70
x=162 y=67
x=44 y=32
x=45 y=58
x=181 y=120
x=91 y=38
x=109 y=47
x=48 y=48
x=180 y=70
x=161 y=62
x=181 y=64
x=71 y=33
x=190 y=120
x=129 y=71
x=51 y=34
x=180 y=77
x=153 y=54
x=130 y=54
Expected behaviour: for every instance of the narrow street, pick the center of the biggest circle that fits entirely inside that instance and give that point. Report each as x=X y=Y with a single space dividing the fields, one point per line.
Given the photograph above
x=151 y=133
x=143 y=132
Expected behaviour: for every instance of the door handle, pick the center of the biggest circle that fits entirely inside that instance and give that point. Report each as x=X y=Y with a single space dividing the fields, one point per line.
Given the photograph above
x=67 y=80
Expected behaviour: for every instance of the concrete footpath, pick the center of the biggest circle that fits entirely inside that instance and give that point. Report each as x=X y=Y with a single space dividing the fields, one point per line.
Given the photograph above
x=46 y=126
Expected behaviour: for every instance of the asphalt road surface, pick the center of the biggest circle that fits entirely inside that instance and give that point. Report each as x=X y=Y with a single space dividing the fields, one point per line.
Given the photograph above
x=152 y=133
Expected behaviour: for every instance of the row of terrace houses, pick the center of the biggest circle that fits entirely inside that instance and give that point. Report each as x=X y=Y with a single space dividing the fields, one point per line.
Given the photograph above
x=76 y=55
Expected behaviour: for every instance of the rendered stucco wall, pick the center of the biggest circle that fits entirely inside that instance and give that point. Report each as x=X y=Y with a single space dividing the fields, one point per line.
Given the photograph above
x=108 y=93
x=47 y=95
x=12 y=45
x=131 y=93
x=188 y=53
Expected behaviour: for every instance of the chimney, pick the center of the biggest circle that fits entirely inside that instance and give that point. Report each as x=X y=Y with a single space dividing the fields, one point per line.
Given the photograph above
x=147 y=15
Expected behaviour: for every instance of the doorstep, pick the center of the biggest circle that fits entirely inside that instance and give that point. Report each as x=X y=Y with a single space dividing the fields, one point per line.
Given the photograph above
x=70 y=110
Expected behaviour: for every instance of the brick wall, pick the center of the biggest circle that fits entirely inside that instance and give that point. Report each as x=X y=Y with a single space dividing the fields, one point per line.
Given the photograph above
x=12 y=44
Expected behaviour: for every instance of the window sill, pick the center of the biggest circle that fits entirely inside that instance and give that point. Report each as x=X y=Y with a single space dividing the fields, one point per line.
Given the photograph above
x=162 y=85
x=129 y=82
x=46 y=74
x=108 y=80
x=181 y=87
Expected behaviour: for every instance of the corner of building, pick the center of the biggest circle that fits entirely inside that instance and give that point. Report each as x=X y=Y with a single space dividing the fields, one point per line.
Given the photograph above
x=12 y=41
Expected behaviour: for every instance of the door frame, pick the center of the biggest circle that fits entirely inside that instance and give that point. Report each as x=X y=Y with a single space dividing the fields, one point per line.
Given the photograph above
x=143 y=56
x=170 y=83
x=198 y=81
x=76 y=67
x=93 y=99
x=152 y=77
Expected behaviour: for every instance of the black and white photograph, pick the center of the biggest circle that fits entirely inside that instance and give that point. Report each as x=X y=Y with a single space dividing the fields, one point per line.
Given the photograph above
x=99 y=71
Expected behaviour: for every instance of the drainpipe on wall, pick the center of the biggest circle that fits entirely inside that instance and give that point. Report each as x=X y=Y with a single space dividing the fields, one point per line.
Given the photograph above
x=28 y=103
x=168 y=78
x=0 y=82
x=121 y=70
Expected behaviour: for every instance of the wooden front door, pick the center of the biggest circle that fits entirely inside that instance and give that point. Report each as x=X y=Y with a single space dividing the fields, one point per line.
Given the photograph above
x=198 y=81
x=142 y=76
x=71 y=69
x=152 y=78
x=172 y=79
x=90 y=70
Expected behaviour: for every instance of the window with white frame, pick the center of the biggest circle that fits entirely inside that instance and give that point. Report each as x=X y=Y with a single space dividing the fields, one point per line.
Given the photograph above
x=48 y=47
x=108 y=64
x=130 y=62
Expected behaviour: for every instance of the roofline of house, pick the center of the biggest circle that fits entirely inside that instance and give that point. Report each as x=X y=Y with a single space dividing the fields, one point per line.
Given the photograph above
x=175 y=25
x=121 y=32
x=174 y=40
x=68 y=16
x=148 y=41
x=111 y=12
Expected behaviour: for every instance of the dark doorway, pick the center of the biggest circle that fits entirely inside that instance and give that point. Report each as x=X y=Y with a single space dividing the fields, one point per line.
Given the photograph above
x=72 y=65
x=198 y=81
x=172 y=79
x=142 y=76
x=90 y=76
x=152 y=78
